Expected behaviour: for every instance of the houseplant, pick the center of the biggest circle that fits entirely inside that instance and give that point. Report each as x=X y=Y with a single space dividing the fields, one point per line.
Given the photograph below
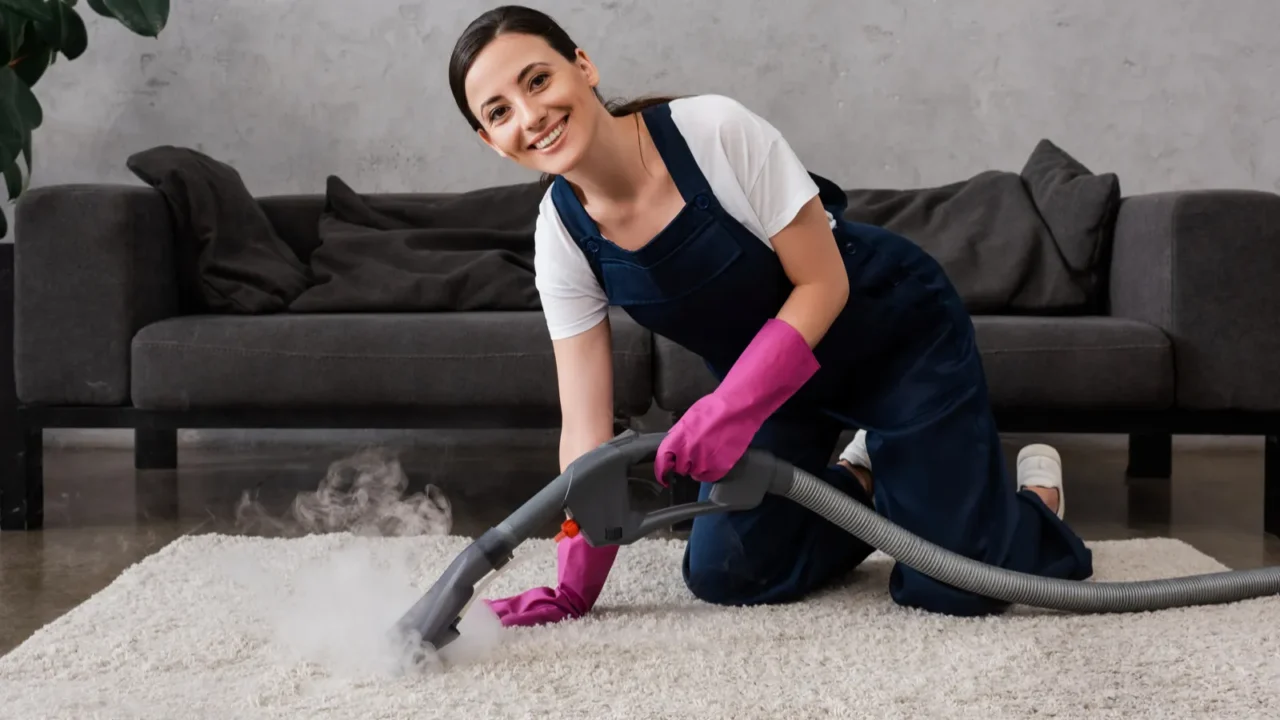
x=32 y=35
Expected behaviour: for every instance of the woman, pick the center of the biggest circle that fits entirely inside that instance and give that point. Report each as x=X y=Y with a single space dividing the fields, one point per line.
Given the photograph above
x=695 y=216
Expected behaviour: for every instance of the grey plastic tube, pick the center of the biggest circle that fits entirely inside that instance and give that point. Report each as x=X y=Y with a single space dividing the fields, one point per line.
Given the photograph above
x=1017 y=587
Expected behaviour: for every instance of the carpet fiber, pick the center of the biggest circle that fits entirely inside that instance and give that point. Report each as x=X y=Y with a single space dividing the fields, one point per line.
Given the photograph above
x=234 y=627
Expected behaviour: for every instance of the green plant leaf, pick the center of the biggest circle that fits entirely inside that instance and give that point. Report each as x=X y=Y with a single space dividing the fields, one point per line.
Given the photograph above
x=144 y=17
x=66 y=33
x=17 y=103
x=34 y=9
x=29 y=111
x=16 y=182
x=13 y=26
x=34 y=57
x=100 y=7
x=20 y=114
x=13 y=180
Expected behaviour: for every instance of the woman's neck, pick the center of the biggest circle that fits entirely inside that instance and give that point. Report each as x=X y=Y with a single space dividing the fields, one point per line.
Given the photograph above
x=615 y=170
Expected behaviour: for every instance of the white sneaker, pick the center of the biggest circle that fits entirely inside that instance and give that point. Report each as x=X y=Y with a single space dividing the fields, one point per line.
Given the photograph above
x=855 y=453
x=1040 y=465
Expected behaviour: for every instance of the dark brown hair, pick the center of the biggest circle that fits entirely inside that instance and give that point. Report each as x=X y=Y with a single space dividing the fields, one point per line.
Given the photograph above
x=519 y=19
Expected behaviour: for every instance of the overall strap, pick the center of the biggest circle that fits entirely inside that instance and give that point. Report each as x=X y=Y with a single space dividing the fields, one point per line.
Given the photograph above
x=581 y=227
x=572 y=214
x=675 y=152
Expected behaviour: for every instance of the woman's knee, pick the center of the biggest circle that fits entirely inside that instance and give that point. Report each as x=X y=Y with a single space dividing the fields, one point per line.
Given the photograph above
x=718 y=586
x=723 y=566
x=772 y=580
x=720 y=581
x=779 y=557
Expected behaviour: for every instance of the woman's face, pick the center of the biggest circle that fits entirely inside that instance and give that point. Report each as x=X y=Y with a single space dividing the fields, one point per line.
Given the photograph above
x=534 y=106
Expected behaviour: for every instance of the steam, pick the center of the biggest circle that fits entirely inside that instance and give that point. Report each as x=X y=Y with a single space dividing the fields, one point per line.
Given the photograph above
x=339 y=611
x=361 y=494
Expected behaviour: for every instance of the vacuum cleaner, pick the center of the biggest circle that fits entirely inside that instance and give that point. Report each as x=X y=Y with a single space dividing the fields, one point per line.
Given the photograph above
x=593 y=493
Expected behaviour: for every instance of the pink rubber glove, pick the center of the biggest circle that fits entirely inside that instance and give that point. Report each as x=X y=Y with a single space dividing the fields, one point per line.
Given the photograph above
x=581 y=571
x=717 y=430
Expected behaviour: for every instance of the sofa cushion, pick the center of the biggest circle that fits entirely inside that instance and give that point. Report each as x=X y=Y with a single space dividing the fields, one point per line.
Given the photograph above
x=1076 y=362
x=1030 y=362
x=445 y=360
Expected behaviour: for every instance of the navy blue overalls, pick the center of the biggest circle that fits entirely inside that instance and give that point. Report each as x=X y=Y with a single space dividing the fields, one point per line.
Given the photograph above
x=900 y=362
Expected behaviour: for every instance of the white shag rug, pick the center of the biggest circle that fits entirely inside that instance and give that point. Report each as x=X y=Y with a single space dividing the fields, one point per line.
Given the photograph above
x=235 y=627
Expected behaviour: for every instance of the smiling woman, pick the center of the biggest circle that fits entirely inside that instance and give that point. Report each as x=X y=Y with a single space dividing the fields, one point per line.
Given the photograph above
x=32 y=34
x=696 y=217
x=505 y=33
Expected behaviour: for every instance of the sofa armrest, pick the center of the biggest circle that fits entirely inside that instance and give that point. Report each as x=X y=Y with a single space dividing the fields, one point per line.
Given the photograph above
x=1202 y=266
x=92 y=265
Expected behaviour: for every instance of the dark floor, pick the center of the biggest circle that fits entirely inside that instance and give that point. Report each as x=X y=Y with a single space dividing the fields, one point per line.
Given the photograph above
x=102 y=515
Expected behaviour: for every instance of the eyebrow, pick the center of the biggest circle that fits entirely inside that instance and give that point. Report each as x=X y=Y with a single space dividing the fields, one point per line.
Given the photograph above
x=519 y=78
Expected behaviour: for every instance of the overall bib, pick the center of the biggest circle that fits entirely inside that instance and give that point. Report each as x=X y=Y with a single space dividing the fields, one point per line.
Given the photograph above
x=900 y=361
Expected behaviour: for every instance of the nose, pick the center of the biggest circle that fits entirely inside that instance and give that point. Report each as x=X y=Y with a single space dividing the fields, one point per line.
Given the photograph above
x=532 y=114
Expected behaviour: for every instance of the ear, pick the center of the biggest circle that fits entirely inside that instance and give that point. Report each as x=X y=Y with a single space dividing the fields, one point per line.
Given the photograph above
x=484 y=135
x=588 y=68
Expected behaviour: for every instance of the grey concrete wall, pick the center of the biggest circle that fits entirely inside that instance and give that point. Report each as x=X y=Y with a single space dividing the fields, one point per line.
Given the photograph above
x=1167 y=93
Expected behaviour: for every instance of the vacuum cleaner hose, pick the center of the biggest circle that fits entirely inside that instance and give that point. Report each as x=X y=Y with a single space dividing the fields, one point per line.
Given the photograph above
x=594 y=492
x=1017 y=587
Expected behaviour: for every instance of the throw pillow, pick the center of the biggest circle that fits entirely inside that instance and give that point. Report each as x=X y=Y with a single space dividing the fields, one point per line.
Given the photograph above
x=230 y=258
x=429 y=252
x=1080 y=209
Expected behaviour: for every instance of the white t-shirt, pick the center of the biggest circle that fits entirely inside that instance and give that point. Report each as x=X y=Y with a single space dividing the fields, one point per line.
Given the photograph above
x=751 y=169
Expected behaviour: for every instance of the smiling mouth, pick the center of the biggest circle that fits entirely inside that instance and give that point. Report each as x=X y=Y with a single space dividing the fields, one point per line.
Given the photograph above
x=552 y=137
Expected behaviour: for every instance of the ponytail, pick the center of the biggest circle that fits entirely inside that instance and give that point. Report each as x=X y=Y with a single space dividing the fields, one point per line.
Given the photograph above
x=620 y=108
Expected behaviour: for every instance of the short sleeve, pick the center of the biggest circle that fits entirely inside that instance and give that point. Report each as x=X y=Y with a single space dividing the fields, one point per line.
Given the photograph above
x=775 y=181
x=571 y=297
x=781 y=188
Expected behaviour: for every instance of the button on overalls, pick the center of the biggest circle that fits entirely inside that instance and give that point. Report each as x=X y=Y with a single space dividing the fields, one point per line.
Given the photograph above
x=900 y=361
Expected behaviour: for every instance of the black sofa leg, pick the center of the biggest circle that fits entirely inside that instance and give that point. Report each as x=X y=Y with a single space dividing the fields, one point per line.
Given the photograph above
x=22 y=493
x=155 y=448
x=1271 y=487
x=1150 y=455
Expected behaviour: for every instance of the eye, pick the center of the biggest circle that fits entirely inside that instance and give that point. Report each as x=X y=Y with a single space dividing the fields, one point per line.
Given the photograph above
x=539 y=80
x=493 y=114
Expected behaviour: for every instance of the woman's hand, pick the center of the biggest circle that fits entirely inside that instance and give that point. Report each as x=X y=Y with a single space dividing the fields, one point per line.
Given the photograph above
x=713 y=435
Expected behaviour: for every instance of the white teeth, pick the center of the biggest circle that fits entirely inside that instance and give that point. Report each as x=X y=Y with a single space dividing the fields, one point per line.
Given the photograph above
x=544 y=142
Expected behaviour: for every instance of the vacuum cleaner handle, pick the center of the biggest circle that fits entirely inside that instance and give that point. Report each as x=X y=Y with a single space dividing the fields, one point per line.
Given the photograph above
x=637 y=447
x=601 y=507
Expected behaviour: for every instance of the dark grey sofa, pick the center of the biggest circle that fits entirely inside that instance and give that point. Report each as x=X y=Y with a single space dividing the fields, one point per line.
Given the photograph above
x=1188 y=343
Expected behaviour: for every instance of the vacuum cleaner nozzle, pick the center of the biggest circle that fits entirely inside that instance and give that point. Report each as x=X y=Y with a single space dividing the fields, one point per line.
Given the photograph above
x=433 y=620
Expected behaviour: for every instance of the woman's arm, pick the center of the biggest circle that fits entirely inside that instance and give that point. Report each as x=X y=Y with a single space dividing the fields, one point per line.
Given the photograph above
x=584 y=366
x=584 y=374
x=775 y=181
x=811 y=258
